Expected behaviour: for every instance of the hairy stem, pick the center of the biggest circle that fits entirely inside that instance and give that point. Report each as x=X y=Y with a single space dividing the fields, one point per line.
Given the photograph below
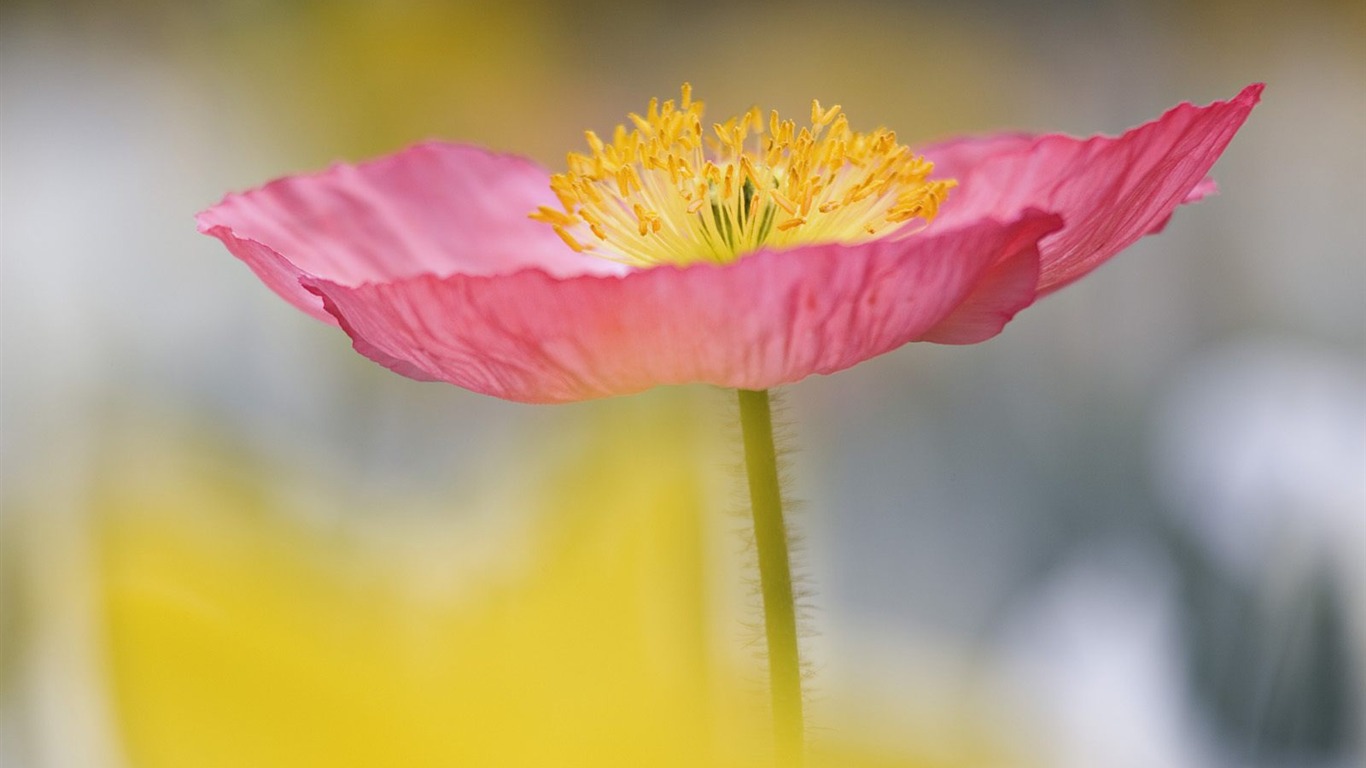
x=775 y=576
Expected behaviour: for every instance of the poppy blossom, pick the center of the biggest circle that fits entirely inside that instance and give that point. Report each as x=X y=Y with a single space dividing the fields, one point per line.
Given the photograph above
x=745 y=254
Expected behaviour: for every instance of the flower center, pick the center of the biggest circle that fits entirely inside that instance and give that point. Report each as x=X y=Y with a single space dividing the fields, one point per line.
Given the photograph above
x=668 y=192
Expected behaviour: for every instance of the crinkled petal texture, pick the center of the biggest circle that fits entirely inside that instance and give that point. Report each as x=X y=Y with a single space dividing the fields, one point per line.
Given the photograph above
x=432 y=209
x=772 y=318
x=427 y=260
x=1110 y=191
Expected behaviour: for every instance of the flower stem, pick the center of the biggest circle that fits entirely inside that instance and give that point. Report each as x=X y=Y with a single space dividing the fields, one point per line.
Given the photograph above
x=775 y=576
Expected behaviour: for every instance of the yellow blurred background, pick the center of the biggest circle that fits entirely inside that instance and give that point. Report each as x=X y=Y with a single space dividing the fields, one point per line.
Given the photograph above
x=1128 y=532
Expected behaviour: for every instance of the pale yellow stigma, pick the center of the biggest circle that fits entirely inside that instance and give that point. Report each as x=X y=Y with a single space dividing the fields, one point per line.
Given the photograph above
x=668 y=191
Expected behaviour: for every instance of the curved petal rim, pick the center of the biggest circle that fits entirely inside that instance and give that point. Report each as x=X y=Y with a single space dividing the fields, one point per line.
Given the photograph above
x=772 y=318
x=1110 y=190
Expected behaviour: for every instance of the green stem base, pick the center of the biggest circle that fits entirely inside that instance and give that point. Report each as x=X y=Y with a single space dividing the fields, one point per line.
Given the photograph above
x=775 y=576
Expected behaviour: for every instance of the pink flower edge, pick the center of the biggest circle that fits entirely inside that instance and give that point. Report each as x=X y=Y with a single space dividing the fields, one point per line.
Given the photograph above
x=772 y=318
x=434 y=208
x=1110 y=191
x=427 y=261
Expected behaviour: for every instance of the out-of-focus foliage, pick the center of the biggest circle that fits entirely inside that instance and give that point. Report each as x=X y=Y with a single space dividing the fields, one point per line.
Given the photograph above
x=587 y=636
x=239 y=639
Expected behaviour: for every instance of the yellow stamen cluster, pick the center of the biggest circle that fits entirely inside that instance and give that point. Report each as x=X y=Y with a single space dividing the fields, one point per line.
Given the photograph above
x=669 y=191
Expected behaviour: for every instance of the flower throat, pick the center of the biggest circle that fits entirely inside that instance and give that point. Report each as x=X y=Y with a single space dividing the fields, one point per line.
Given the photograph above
x=669 y=192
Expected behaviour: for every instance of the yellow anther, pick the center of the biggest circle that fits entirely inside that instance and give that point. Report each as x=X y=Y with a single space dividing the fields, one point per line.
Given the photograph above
x=645 y=194
x=593 y=142
x=673 y=169
x=722 y=132
x=552 y=216
x=783 y=202
x=569 y=239
x=711 y=172
x=747 y=168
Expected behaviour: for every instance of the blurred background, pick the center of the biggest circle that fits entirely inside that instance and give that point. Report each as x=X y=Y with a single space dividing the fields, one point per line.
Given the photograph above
x=1130 y=531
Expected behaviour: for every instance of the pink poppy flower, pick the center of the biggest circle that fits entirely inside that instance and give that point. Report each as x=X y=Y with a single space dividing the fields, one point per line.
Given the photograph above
x=809 y=262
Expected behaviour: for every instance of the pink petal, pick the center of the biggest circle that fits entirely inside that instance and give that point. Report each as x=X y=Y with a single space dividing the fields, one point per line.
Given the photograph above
x=771 y=318
x=1109 y=191
x=433 y=208
x=1006 y=288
